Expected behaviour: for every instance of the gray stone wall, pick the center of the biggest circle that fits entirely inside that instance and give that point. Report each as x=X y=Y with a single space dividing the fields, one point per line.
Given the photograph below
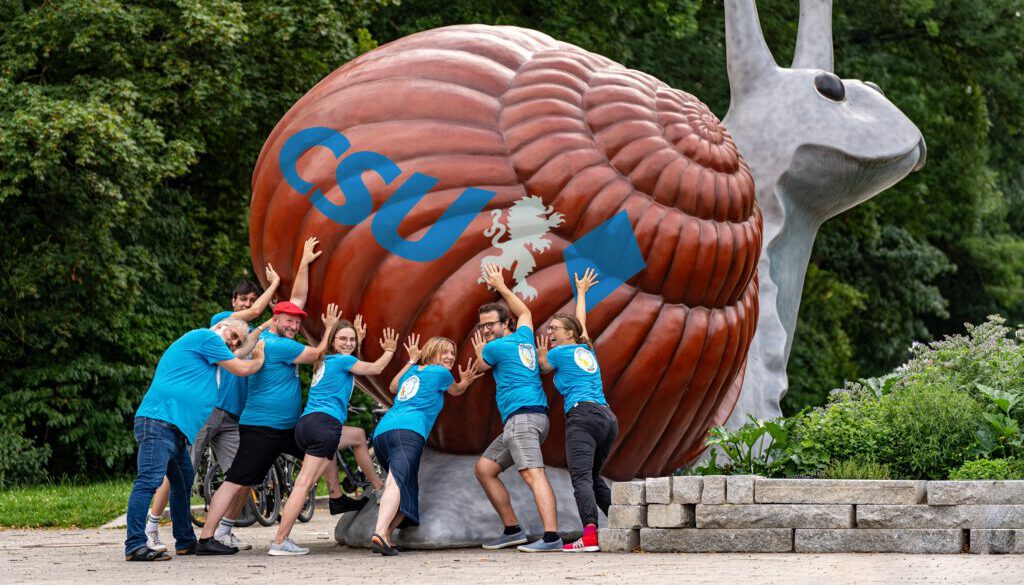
x=756 y=514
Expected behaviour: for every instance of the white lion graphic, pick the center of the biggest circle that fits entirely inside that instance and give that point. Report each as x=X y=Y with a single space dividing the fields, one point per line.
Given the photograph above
x=528 y=224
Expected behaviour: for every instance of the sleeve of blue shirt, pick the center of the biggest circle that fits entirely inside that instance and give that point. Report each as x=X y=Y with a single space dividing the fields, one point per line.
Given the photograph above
x=285 y=350
x=214 y=349
x=445 y=379
x=524 y=335
x=554 y=354
x=490 y=353
x=347 y=361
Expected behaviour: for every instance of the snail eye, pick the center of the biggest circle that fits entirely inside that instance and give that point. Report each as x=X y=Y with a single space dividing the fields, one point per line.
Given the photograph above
x=830 y=86
x=874 y=86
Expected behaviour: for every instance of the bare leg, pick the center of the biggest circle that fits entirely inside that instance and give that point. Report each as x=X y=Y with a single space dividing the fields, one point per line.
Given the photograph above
x=355 y=437
x=537 y=481
x=160 y=498
x=222 y=500
x=388 y=513
x=331 y=477
x=312 y=468
x=487 y=472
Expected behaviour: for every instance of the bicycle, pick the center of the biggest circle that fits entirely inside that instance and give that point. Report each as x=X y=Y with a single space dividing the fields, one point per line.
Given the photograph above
x=208 y=478
x=353 y=480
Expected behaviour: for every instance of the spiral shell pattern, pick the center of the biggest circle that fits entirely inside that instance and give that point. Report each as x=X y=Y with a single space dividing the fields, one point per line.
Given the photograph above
x=516 y=112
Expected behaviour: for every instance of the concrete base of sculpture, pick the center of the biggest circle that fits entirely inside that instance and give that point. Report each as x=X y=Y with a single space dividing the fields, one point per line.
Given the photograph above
x=455 y=512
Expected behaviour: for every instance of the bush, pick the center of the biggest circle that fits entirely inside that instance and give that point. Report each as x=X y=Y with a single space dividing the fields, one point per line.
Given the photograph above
x=989 y=469
x=856 y=469
x=21 y=461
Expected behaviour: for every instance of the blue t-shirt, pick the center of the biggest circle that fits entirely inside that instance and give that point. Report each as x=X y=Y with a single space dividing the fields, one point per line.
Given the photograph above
x=514 y=359
x=418 y=402
x=275 y=399
x=577 y=375
x=232 y=388
x=184 y=388
x=332 y=386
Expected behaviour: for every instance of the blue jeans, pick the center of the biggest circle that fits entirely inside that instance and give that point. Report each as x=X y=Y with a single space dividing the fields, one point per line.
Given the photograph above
x=163 y=450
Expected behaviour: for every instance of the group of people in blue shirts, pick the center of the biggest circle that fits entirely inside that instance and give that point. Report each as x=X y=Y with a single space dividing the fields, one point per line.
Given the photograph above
x=204 y=392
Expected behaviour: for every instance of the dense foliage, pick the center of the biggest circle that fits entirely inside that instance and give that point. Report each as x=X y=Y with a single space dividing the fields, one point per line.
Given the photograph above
x=128 y=131
x=955 y=410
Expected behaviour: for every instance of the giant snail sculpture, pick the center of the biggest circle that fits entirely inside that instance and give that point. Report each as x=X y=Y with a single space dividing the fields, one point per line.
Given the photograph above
x=527 y=145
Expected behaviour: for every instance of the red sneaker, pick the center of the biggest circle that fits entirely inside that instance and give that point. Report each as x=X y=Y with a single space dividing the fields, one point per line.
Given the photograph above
x=586 y=543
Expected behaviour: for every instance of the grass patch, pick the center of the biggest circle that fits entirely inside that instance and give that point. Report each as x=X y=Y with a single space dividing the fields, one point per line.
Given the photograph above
x=68 y=504
x=64 y=505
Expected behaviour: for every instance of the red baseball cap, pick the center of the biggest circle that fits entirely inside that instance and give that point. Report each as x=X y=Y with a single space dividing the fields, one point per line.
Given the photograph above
x=289 y=308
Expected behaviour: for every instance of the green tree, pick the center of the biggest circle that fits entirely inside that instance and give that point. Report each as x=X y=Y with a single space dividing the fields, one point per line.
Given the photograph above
x=128 y=131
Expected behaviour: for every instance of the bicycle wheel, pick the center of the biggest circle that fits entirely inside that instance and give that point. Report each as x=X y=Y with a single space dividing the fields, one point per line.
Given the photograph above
x=264 y=500
x=198 y=517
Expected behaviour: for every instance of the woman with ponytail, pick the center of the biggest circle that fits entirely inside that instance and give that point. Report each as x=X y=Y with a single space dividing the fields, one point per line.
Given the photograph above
x=590 y=425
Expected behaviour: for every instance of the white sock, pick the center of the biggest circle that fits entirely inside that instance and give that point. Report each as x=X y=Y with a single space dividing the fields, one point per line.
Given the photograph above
x=152 y=523
x=225 y=526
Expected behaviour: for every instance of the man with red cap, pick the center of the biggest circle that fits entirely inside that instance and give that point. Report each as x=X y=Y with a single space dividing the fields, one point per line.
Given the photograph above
x=267 y=425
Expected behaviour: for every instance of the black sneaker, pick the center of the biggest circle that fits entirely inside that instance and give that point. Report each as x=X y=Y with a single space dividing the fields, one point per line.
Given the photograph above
x=343 y=504
x=147 y=554
x=211 y=546
x=189 y=550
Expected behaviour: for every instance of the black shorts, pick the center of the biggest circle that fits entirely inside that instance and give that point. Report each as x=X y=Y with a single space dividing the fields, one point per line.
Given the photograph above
x=258 y=447
x=318 y=434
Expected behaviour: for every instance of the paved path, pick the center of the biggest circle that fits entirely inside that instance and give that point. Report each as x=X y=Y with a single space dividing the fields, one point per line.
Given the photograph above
x=95 y=556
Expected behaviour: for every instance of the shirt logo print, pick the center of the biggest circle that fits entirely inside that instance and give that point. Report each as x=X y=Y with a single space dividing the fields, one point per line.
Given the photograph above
x=409 y=389
x=585 y=360
x=527 y=356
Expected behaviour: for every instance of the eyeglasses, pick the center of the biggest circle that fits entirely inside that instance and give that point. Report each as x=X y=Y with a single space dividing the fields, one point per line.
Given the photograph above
x=556 y=328
x=488 y=325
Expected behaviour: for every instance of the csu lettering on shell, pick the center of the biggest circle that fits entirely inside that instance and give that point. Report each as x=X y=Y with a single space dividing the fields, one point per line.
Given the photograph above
x=518 y=113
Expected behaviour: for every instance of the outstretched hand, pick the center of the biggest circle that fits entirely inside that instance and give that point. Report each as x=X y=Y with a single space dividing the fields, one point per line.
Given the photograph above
x=360 y=328
x=412 y=347
x=494 y=277
x=589 y=279
x=479 y=341
x=257 y=352
x=470 y=374
x=331 y=318
x=272 y=276
x=542 y=345
x=390 y=340
x=308 y=253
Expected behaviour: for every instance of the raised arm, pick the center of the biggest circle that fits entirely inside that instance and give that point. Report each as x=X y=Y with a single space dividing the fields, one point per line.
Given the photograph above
x=311 y=353
x=252 y=339
x=496 y=280
x=582 y=286
x=389 y=343
x=479 y=341
x=412 y=349
x=261 y=303
x=240 y=367
x=466 y=378
x=300 y=288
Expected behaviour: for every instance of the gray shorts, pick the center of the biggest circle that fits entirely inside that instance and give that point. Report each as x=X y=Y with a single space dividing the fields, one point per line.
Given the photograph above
x=520 y=441
x=220 y=431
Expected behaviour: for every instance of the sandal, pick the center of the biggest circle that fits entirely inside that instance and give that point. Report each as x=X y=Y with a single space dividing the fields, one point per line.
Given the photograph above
x=378 y=545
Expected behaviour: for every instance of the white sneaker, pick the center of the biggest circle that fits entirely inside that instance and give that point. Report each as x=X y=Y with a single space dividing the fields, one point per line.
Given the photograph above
x=288 y=548
x=230 y=539
x=153 y=541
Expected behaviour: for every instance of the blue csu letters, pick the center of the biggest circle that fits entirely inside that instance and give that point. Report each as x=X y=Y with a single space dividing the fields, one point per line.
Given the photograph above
x=617 y=262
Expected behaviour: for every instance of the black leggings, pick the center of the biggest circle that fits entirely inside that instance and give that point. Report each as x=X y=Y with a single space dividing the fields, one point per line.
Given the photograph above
x=590 y=431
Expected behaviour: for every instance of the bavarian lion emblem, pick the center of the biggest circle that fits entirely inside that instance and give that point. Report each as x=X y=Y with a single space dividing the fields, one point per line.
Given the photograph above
x=528 y=224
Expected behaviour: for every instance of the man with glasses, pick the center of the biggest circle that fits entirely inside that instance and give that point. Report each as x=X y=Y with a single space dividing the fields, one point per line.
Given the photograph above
x=523 y=408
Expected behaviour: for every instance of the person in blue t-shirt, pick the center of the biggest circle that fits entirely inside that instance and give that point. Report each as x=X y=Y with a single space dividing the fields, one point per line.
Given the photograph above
x=181 y=396
x=221 y=429
x=590 y=425
x=318 y=431
x=523 y=407
x=400 y=436
x=266 y=428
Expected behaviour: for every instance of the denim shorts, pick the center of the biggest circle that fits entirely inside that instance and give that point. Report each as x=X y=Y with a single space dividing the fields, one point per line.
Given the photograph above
x=519 y=442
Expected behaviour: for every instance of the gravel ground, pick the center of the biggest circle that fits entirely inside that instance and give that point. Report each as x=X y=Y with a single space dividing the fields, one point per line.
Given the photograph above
x=96 y=556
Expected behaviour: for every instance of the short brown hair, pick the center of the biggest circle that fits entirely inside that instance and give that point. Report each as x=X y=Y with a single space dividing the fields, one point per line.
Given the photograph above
x=500 y=308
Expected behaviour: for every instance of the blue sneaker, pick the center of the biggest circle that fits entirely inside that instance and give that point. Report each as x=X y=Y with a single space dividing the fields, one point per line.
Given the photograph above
x=541 y=546
x=506 y=540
